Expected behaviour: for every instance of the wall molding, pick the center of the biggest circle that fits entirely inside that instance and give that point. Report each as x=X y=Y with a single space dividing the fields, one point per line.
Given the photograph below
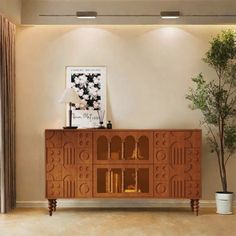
x=116 y=203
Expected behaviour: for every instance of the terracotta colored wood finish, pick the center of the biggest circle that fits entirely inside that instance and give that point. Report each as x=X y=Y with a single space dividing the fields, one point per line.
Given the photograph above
x=68 y=164
x=177 y=164
x=124 y=194
x=123 y=135
x=171 y=157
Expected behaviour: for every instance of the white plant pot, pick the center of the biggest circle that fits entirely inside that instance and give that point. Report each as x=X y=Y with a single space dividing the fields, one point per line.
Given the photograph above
x=224 y=203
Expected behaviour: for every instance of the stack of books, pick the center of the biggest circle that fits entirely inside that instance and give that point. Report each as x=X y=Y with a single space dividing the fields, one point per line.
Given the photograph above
x=113 y=182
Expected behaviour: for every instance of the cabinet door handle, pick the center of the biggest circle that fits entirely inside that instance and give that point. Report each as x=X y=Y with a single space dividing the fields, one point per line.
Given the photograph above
x=122 y=181
x=136 y=151
x=122 y=150
x=109 y=151
x=136 y=180
x=109 y=180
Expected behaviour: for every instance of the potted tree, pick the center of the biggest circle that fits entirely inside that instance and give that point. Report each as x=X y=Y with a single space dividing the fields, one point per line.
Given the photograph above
x=216 y=99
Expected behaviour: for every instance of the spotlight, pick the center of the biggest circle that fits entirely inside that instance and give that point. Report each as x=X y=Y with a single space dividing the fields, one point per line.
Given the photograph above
x=86 y=14
x=170 y=14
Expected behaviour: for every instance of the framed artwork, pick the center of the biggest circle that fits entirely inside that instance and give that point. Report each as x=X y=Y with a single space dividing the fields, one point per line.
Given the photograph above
x=90 y=85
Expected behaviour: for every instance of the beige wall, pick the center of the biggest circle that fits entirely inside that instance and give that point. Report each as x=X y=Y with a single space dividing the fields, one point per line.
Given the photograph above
x=148 y=74
x=11 y=9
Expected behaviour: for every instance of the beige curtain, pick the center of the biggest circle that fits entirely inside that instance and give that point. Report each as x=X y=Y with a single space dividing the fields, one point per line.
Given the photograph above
x=7 y=115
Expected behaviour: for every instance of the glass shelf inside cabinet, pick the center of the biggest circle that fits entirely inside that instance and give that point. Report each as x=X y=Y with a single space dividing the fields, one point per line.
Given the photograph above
x=119 y=180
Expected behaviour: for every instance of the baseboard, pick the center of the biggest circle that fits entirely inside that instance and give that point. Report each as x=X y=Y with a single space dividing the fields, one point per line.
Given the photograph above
x=116 y=203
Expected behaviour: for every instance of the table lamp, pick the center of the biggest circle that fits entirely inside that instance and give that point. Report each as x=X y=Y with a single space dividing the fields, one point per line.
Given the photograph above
x=71 y=97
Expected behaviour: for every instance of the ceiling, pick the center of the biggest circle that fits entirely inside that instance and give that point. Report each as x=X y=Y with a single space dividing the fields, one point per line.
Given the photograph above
x=133 y=0
x=223 y=1
x=214 y=11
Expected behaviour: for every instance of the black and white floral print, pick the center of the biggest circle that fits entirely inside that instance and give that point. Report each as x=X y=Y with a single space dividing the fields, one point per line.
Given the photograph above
x=88 y=87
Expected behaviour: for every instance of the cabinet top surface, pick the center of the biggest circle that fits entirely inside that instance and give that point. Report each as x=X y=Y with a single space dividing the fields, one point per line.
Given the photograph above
x=112 y=130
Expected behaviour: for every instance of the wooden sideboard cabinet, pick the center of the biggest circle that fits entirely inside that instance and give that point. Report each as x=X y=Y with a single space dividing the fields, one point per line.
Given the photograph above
x=103 y=163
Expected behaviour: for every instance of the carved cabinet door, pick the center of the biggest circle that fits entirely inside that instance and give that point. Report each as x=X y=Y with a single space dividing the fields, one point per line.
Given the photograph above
x=177 y=164
x=54 y=163
x=68 y=164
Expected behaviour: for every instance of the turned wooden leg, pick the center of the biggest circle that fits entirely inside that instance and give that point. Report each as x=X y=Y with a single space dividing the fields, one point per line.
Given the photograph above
x=54 y=204
x=50 y=206
x=191 y=204
x=196 y=206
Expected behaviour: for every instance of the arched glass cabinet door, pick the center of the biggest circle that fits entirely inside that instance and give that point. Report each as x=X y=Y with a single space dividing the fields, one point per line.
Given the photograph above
x=102 y=148
x=102 y=176
x=116 y=148
x=143 y=148
x=130 y=152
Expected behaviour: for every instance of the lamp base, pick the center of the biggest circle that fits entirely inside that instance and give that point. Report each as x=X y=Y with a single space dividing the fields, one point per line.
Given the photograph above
x=101 y=127
x=70 y=127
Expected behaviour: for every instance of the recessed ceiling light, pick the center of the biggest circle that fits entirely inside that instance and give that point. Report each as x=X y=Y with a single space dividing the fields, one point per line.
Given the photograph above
x=170 y=14
x=86 y=14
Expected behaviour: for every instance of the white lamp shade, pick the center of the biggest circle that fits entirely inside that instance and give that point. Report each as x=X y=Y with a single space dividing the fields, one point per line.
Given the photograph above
x=70 y=95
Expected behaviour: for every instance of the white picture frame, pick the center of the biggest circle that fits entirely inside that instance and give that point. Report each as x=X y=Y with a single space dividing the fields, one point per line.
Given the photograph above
x=89 y=82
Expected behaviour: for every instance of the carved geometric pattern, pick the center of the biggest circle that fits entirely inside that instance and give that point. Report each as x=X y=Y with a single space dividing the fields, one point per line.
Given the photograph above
x=84 y=180
x=85 y=189
x=54 y=155
x=192 y=166
x=66 y=176
x=161 y=139
x=161 y=172
x=54 y=164
x=53 y=139
x=196 y=139
x=192 y=189
x=177 y=156
x=69 y=137
x=177 y=187
x=83 y=156
x=54 y=189
x=84 y=139
x=161 y=155
x=161 y=190
x=69 y=187
x=193 y=155
x=161 y=177
x=84 y=172
x=182 y=139
x=68 y=154
x=69 y=171
x=178 y=152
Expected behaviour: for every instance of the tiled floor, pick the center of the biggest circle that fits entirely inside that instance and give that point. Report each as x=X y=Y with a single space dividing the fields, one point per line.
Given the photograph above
x=116 y=222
